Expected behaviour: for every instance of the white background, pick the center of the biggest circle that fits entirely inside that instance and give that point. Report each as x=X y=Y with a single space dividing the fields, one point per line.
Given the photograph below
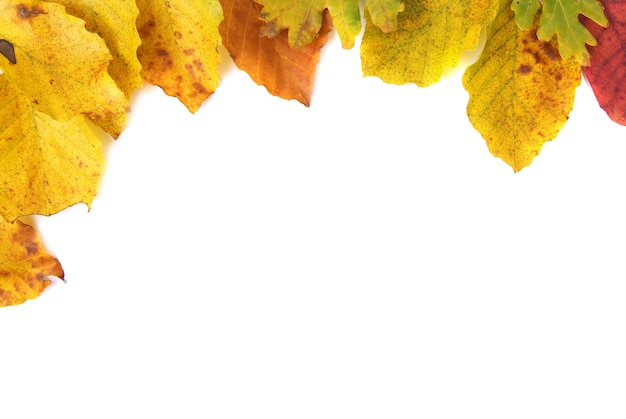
x=362 y=258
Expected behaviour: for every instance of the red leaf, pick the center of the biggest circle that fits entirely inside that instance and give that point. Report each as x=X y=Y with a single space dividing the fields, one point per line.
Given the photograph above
x=607 y=72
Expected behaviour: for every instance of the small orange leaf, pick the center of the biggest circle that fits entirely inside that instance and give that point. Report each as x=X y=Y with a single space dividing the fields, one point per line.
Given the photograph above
x=286 y=72
x=24 y=265
x=179 y=47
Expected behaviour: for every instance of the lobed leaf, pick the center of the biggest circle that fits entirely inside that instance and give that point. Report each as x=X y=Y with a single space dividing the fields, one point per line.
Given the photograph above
x=521 y=90
x=560 y=18
x=607 y=72
x=431 y=36
x=285 y=72
x=179 y=47
x=525 y=11
x=24 y=265
x=303 y=18
x=46 y=165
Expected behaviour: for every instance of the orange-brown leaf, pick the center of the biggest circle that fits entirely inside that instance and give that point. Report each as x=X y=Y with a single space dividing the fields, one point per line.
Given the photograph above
x=24 y=265
x=284 y=71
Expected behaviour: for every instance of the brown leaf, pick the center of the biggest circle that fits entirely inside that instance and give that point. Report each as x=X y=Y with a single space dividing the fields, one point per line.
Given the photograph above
x=284 y=71
x=24 y=265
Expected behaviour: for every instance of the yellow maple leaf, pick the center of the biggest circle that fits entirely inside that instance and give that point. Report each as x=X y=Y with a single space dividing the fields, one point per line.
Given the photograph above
x=24 y=265
x=431 y=36
x=59 y=65
x=521 y=90
x=45 y=165
x=114 y=21
x=179 y=47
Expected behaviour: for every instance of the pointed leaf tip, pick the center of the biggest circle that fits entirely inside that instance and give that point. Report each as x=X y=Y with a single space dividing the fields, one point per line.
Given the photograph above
x=24 y=265
x=521 y=91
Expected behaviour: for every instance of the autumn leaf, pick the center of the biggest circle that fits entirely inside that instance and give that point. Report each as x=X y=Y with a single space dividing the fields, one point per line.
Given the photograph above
x=24 y=265
x=285 y=72
x=384 y=13
x=179 y=47
x=59 y=65
x=431 y=36
x=46 y=165
x=521 y=90
x=114 y=21
x=607 y=72
x=303 y=18
x=560 y=18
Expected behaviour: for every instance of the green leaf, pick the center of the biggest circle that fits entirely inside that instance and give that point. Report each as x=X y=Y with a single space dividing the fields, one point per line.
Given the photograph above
x=384 y=13
x=303 y=18
x=560 y=18
x=525 y=11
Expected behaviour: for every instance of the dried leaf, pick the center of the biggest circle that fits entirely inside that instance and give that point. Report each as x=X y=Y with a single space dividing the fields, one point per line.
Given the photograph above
x=521 y=90
x=285 y=72
x=303 y=18
x=607 y=71
x=7 y=49
x=431 y=36
x=114 y=21
x=60 y=66
x=24 y=265
x=179 y=47
x=45 y=165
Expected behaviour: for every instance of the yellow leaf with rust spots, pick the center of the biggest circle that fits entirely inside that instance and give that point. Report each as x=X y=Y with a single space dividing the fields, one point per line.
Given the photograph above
x=431 y=36
x=521 y=90
x=59 y=65
x=24 y=265
x=45 y=165
x=115 y=22
x=303 y=18
x=179 y=47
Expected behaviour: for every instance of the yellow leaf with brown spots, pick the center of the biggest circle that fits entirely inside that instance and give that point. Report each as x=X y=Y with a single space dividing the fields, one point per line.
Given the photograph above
x=24 y=265
x=45 y=165
x=286 y=72
x=59 y=65
x=179 y=47
x=521 y=90
x=430 y=37
x=115 y=22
